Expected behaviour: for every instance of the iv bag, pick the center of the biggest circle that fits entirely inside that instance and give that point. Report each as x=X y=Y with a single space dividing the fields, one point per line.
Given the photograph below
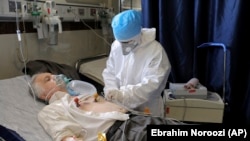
x=78 y=87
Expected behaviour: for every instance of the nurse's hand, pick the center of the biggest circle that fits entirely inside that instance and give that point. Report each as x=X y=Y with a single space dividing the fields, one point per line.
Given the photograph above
x=113 y=94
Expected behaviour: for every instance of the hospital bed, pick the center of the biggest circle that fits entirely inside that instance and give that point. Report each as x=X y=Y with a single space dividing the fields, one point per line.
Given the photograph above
x=19 y=110
x=18 y=107
x=91 y=69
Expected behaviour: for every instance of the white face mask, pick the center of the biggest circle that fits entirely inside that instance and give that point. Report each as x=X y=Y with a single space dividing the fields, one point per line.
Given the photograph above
x=127 y=47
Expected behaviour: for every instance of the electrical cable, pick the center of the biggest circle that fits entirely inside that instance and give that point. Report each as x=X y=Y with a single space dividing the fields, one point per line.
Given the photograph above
x=90 y=27
x=123 y=132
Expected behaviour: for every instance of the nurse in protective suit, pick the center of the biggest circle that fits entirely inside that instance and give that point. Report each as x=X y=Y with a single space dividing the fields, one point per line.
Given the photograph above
x=138 y=67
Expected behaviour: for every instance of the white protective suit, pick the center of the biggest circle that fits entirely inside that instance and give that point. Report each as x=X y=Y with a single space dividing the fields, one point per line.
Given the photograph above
x=141 y=75
x=62 y=118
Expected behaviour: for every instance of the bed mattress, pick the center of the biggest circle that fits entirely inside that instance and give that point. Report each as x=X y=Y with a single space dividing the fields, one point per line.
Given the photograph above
x=93 y=69
x=19 y=109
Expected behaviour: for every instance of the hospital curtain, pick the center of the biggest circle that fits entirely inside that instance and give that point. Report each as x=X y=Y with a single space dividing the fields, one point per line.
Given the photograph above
x=182 y=25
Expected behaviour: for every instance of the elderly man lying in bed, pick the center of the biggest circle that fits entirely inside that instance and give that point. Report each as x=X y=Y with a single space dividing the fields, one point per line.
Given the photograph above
x=87 y=117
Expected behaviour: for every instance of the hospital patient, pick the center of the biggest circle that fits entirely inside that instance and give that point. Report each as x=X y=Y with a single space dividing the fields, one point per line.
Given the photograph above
x=87 y=117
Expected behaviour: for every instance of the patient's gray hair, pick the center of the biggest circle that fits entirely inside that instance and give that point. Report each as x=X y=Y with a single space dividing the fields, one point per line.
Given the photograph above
x=36 y=89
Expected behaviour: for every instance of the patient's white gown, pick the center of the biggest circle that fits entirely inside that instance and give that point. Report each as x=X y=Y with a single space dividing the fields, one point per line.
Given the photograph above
x=63 y=118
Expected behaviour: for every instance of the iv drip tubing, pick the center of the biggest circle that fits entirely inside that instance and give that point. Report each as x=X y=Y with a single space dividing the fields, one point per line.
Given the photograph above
x=20 y=55
x=91 y=28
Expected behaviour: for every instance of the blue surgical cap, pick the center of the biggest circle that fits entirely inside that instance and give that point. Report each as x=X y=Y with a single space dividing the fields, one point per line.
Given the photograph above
x=126 y=25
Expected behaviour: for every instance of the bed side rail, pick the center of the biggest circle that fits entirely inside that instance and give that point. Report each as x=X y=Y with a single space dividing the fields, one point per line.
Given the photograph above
x=87 y=59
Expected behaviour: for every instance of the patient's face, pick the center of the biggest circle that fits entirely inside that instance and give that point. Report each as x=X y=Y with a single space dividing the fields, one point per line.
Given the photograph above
x=46 y=80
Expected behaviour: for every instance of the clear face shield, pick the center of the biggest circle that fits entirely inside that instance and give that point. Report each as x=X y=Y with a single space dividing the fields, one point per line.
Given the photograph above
x=127 y=47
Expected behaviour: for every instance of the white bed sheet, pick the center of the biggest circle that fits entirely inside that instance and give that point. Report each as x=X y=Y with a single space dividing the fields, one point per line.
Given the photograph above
x=93 y=69
x=19 y=110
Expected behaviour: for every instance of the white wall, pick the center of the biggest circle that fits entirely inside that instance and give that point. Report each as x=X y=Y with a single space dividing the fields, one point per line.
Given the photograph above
x=72 y=45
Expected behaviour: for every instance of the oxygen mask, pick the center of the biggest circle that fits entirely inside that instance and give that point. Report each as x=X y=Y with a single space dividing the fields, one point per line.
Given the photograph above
x=74 y=87
x=61 y=80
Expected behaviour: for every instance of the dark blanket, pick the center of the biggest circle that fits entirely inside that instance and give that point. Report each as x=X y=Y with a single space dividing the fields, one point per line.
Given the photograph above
x=39 y=66
x=135 y=128
x=9 y=135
